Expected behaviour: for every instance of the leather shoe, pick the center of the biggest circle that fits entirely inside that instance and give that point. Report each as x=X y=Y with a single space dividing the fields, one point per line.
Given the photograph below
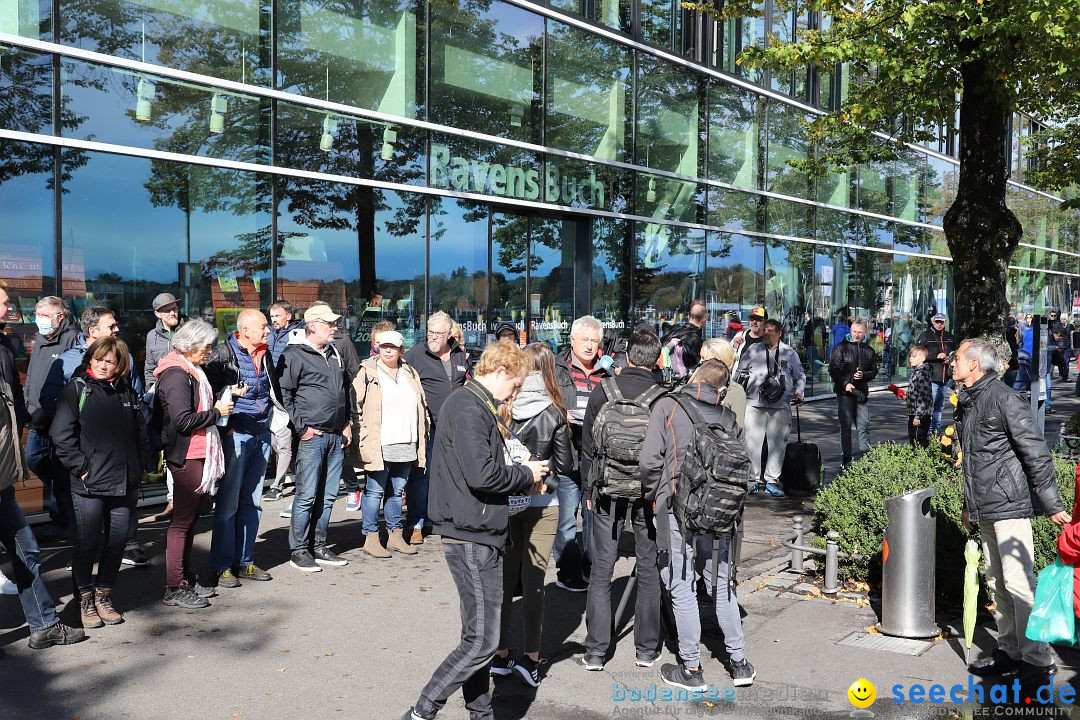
x=997 y=663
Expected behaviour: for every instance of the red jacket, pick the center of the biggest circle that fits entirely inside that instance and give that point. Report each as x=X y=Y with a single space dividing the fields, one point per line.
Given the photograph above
x=1069 y=550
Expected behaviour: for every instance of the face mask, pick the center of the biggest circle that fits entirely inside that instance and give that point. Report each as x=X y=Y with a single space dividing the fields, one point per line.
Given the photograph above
x=44 y=325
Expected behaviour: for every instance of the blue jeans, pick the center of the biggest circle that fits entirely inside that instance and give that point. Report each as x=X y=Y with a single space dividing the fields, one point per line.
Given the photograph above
x=38 y=605
x=417 y=489
x=318 y=471
x=389 y=481
x=570 y=499
x=940 y=390
x=239 y=499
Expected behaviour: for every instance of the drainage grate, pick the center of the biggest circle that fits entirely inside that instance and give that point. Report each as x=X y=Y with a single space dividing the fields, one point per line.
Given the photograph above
x=903 y=646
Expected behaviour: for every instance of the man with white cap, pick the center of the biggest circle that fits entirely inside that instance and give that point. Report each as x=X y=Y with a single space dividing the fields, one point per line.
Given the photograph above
x=316 y=394
x=938 y=342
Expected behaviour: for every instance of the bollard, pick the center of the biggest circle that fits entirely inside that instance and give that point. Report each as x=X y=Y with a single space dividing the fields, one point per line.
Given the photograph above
x=832 y=562
x=907 y=566
x=796 y=553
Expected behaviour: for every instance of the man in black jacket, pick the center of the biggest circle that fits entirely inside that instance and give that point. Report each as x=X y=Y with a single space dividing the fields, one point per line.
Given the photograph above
x=1008 y=479
x=608 y=517
x=684 y=341
x=938 y=342
x=472 y=477
x=443 y=367
x=852 y=366
x=315 y=393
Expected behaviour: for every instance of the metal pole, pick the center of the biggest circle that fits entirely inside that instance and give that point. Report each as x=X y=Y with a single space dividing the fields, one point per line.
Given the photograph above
x=796 y=553
x=625 y=599
x=832 y=562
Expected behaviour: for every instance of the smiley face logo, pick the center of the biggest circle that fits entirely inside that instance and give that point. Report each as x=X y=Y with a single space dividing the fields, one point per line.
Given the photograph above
x=862 y=693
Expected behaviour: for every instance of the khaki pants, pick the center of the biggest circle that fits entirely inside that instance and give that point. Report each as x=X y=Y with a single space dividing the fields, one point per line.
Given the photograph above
x=1010 y=552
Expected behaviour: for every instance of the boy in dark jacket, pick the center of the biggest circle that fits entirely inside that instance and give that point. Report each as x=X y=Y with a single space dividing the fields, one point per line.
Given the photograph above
x=472 y=477
x=938 y=342
x=919 y=398
x=666 y=445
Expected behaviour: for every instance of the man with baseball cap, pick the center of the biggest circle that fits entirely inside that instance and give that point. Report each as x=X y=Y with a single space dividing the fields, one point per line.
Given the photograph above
x=315 y=390
x=938 y=342
x=752 y=335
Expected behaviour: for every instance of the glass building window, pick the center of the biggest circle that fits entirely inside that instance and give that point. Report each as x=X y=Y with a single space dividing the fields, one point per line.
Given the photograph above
x=27 y=233
x=664 y=198
x=657 y=18
x=735 y=118
x=941 y=179
x=789 y=291
x=589 y=93
x=734 y=279
x=133 y=228
x=26 y=91
x=736 y=210
x=614 y=14
x=670 y=272
x=612 y=261
x=367 y=53
x=668 y=125
x=787 y=142
x=228 y=40
x=486 y=69
x=458 y=265
x=551 y=304
x=871 y=187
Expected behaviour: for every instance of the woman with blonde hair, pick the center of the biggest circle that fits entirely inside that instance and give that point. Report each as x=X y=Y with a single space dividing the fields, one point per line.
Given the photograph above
x=536 y=420
x=722 y=350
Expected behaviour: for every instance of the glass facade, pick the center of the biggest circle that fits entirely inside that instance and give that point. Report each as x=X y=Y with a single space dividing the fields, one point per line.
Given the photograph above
x=499 y=161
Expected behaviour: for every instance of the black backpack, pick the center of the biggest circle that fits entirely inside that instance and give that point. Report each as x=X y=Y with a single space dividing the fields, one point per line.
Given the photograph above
x=618 y=433
x=714 y=475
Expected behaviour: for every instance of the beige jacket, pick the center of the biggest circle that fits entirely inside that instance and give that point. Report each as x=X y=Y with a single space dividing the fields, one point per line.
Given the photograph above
x=11 y=459
x=367 y=415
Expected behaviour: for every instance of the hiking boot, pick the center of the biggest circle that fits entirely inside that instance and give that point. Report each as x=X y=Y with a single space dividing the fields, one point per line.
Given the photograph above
x=352 y=501
x=324 y=557
x=58 y=634
x=373 y=547
x=502 y=666
x=996 y=663
x=529 y=671
x=683 y=677
x=105 y=609
x=742 y=673
x=417 y=537
x=253 y=572
x=135 y=556
x=226 y=579
x=303 y=561
x=397 y=543
x=184 y=597
x=593 y=663
x=88 y=612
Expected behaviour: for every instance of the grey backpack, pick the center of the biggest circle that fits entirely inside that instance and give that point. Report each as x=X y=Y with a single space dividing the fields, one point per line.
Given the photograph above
x=618 y=433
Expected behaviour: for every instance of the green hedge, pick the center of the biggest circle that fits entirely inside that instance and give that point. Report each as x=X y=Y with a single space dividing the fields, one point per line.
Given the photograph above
x=853 y=505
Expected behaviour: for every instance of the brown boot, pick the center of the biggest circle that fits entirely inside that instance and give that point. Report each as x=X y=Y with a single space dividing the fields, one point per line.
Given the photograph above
x=87 y=611
x=417 y=537
x=105 y=609
x=397 y=543
x=373 y=547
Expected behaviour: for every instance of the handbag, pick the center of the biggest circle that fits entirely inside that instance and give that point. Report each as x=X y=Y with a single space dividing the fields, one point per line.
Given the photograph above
x=774 y=385
x=1052 y=619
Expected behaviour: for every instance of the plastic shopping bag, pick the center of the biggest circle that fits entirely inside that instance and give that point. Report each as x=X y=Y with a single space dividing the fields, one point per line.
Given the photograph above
x=1052 y=619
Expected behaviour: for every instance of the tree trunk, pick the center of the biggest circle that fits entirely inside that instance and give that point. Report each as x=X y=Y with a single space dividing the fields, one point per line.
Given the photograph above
x=981 y=231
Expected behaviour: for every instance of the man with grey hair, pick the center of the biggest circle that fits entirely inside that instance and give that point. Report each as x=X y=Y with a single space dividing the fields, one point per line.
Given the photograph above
x=579 y=371
x=1008 y=479
x=443 y=366
x=56 y=335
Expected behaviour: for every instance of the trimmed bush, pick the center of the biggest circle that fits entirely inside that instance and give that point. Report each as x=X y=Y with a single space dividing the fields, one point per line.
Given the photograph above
x=853 y=505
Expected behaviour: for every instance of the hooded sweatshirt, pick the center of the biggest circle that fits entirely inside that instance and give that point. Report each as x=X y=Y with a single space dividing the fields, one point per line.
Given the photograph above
x=532 y=401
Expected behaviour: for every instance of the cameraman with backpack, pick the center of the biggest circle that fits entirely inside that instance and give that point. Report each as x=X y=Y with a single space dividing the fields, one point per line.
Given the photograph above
x=693 y=446
x=773 y=375
x=684 y=341
x=613 y=430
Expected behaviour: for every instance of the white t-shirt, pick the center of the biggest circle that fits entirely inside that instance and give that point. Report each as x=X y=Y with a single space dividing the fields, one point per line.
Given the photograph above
x=399 y=419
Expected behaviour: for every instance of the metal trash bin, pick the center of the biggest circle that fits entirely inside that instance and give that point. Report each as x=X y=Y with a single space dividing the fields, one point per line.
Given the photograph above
x=907 y=582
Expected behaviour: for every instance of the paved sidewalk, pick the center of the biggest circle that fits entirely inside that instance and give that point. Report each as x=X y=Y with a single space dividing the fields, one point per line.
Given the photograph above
x=360 y=641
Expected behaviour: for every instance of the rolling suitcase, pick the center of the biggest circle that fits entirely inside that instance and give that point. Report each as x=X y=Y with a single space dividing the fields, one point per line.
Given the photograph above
x=802 y=464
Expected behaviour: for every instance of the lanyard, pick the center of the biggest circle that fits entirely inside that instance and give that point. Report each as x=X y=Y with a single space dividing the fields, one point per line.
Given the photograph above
x=498 y=418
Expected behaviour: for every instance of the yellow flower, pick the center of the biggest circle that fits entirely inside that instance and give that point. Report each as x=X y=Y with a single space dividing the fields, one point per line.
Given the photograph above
x=946 y=441
x=953 y=399
x=959 y=456
x=951 y=430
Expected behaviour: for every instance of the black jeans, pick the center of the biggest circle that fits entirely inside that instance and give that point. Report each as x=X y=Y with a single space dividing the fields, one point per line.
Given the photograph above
x=478 y=574
x=919 y=434
x=608 y=518
x=91 y=513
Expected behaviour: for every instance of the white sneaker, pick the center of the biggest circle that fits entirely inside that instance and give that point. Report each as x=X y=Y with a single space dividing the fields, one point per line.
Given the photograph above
x=7 y=587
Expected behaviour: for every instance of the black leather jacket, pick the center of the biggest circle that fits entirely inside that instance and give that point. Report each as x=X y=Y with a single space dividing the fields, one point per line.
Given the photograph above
x=1008 y=470
x=547 y=435
x=848 y=357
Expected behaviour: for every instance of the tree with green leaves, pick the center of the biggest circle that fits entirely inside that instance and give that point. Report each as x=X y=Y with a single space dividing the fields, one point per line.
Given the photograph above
x=912 y=65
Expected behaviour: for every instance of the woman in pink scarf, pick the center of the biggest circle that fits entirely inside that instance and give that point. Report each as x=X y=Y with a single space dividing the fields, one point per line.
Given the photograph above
x=188 y=417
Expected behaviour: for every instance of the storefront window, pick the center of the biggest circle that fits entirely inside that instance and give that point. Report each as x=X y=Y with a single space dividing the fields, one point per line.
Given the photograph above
x=458 y=163
x=734 y=279
x=227 y=40
x=552 y=247
x=669 y=273
x=486 y=69
x=735 y=117
x=669 y=134
x=458 y=265
x=589 y=93
x=367 y=53
x=612 y=260
x=134 y=228
x=789 y=289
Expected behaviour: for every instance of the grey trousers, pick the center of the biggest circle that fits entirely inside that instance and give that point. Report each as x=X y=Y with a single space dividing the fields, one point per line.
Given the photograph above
x=767 y=426
x=681 y=587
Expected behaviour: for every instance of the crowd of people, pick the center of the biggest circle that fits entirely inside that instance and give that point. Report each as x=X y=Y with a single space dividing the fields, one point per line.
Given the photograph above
x=503 y=459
